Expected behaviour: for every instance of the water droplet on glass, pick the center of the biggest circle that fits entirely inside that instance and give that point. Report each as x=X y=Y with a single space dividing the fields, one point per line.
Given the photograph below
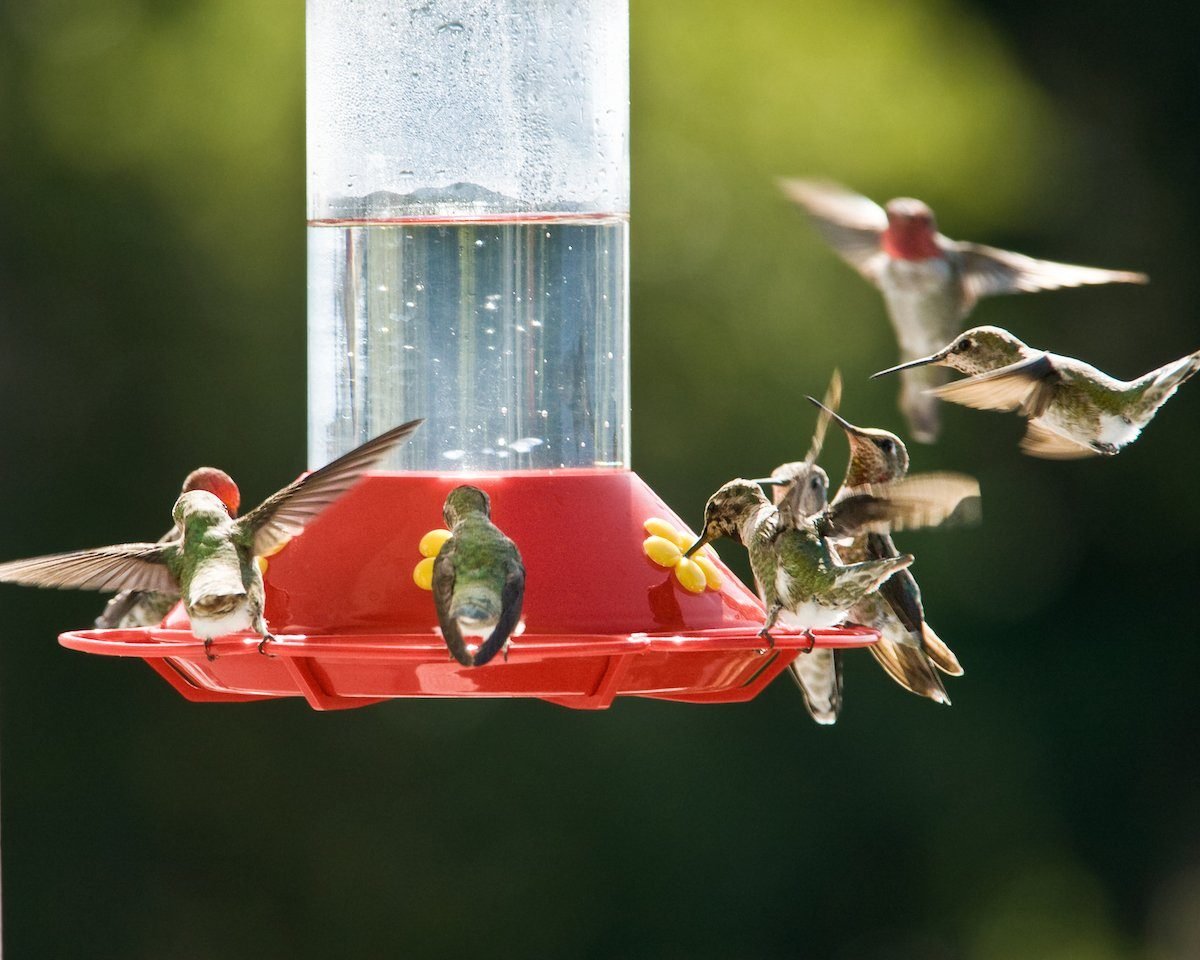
x=454 y=454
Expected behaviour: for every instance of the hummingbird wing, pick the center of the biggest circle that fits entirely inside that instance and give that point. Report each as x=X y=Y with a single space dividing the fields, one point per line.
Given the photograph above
x=910 y=668
x=987 y=271
x=941 y=655
x=127 y=566
x=1027 y=387
x=284 y=514
x=444 y=576
x=147 y=604
x=829 y=406
x=819 y=676
x=921 y=500
x=512 y=596
x=1040 y=441
x=848 y=221
x=900 y=590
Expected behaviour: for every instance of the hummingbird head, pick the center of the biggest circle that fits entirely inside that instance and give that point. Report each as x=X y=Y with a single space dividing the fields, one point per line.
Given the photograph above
x=876 y=456
x=911 y=232
x=976 y=351
x=199 y=506
x=726 y=510
x=218 y=483
x=803 y=483
x=465 y=500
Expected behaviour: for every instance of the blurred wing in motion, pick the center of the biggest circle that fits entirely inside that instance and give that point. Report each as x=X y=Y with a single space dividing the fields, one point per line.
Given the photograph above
x=284 y=514
x=128 y=566
x=848 y=221
x=921 y=500
x=987 y=271
x=1026 y=387
x=832 y=401
x=1040 y=441
x=819 y=676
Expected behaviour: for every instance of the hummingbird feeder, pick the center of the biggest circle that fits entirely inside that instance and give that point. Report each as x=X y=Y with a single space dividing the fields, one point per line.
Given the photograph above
x=468 y=185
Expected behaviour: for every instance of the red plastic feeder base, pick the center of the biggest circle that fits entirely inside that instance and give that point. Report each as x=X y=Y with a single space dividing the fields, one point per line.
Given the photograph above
x=352 y=628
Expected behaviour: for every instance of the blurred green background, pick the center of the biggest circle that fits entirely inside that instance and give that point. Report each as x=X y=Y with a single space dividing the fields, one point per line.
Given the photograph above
x=152 y=318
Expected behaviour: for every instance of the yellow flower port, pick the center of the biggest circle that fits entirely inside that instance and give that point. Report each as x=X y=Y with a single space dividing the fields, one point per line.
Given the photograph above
x=665 y=546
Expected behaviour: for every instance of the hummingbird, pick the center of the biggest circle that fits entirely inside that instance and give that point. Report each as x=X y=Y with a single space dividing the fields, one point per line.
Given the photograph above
x=210 y=558
x=929 y=282
x=908 y=649
x=801 y=489
x=1073 y=409
x=478 y=579
x=797 y=572
x=145 y=608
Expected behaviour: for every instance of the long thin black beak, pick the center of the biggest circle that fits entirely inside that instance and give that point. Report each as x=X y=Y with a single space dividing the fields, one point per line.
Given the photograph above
x=841 y=421
x=697 y=545
x=932 y=358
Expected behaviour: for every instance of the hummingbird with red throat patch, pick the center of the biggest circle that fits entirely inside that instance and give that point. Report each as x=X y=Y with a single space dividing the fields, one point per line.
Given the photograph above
x=210 y=559
x=929 y=282
x=145 y=608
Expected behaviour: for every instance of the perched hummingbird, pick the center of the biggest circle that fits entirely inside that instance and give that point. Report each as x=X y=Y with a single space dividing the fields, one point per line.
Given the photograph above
x=908 y=649
x=145 y=608
x=1073 y=409
x=929 y=282
x=478 y=579
x=210 y=559
x=798 y=575
x=801 y=489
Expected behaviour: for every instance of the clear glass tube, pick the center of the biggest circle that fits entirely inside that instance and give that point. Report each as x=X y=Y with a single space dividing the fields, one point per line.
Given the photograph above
x=468 y=231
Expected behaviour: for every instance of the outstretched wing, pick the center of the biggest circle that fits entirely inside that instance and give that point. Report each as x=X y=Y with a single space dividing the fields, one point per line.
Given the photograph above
x=284 y=515
x=1027 y=387
x=848 y=221
x=127 y=566
x=987 y=271
x=922 y=500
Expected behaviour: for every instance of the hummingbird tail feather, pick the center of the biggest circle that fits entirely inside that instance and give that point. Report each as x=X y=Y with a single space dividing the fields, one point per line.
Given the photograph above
x=819 y=677
x=941 y=655
x=490 y=647
x=911 y=669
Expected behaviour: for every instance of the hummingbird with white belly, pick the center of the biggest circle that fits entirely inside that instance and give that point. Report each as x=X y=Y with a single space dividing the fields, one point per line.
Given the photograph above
x=478 y=579
x=1073 y=409
x=929 y=282
x=210 y=560
x=908 y=649
x=801 y=489
x=798 y=574
x=145 y=608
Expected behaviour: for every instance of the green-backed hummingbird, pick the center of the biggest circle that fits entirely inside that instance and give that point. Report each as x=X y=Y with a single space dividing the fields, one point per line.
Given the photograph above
x=145 y=608
x=1073 y=409
x=929 y=282
x=210 y=560
x=478 y=579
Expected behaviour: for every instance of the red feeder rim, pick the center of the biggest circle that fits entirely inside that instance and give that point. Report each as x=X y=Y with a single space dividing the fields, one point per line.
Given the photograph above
x=352 y=628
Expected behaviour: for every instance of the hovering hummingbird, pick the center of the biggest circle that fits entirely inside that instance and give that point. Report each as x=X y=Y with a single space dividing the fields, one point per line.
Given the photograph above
x=929 y=282
x=908 y=649
x=145 y=608
x=210 y=559
x=1073 y=409
x=478 y=579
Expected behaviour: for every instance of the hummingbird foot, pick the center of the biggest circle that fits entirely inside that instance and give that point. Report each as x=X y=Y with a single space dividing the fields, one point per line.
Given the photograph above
x=208 y=650
x=262 y=644
x=765 y=634
x=504 y=652
x=812 y=641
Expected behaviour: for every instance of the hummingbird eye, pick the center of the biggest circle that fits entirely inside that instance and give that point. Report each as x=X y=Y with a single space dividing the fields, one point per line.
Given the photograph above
x=963 y=345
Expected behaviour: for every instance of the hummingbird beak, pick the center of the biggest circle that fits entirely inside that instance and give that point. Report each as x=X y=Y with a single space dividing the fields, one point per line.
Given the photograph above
x=841 y=421
x=697 y=545
x=770 y=482
x=932 y=358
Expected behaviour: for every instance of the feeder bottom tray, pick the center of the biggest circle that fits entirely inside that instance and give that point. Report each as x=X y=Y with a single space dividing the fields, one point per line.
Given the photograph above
x=352 y=628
